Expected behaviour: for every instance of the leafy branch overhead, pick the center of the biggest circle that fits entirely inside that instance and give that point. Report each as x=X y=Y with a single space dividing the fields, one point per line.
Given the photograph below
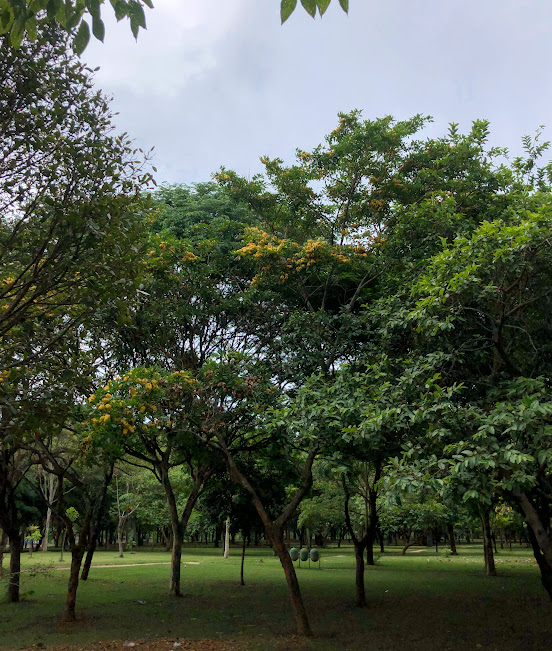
x=80 y=18
x=77 y=17
x=287 y=7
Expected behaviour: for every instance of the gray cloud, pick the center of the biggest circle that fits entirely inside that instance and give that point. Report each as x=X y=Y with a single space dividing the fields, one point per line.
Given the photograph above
x=221 y=83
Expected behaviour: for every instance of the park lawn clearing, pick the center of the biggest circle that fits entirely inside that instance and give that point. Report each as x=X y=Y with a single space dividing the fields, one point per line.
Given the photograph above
x=415 y=602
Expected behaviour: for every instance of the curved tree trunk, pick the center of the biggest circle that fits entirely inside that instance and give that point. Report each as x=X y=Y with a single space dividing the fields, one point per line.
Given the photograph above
x=301 y=618
x=274 y=530
x=544 y=566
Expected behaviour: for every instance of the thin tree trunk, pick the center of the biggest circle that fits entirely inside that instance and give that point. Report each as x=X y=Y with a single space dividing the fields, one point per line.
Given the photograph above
x=452 y=540
x=360 y=598
x=62 y=546
x=381 y=541
x=50 y=494
x=176 y=559
x=274 y=529
x=408 y=542
x=71 y=601
x=88 y=560
x=227 y=539
x=120 y=540
x=360 y=546
x=15 y=566
x=3 y=543
x=301 y=618
x=242 y=582
x=490 y=569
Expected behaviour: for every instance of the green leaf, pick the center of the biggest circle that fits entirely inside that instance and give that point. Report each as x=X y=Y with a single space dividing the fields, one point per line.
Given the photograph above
x=98 y=28
x=344 y=5
x=121 y=9
x=310 y=7
x=322 y=6
x=6 y=21
x=81 y=38
x=287 y=7
x=16 y=34
x=30 y=27
x=137 y=17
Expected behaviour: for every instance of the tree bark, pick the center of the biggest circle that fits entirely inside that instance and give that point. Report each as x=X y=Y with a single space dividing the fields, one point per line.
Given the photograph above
x=301 y=618
x=50 y=490
x=533 y=520
x=176 y=559
x=242 y=582
x=15 y=566
x=452 y=540
x=360 y=595
x=88 y=560
x=227 y=539
x=490 y=569
x=544 y=566
x=3 y=543
x=120 y=539
x=360 y=546
x=71 y=600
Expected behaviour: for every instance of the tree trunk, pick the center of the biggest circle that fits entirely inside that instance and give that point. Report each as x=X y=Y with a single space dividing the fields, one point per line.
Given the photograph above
x=242 y=582
x=71 y=601
x=50 y=494
x=176 y=559
x=301 y=619
x=15 y=566
x=452 y=540
x=381 y=540
x=370 y=537
x=120 y=540
x=3 y=543
x=227 y=539
x=535 y=523
x=490 y=569
x=62 y=546
x=88 y=560
x=544 y=566
x=360 y=599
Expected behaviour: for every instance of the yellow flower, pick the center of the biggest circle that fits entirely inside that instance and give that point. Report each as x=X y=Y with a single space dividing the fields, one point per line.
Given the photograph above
x=148 y=386
x=92 y=398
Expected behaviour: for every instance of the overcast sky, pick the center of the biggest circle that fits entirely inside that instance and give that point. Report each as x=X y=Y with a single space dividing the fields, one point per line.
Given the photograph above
x=221 y=82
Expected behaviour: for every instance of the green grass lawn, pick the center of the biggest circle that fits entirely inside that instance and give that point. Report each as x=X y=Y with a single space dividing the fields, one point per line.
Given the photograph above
x=423 y=600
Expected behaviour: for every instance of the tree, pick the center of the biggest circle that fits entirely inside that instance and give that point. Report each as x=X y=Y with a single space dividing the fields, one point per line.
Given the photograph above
x=149 y=416
x=70 y=213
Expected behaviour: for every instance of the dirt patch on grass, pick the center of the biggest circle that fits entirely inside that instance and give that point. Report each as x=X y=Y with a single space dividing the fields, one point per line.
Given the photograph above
x=163 y=644
x=95 y=567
